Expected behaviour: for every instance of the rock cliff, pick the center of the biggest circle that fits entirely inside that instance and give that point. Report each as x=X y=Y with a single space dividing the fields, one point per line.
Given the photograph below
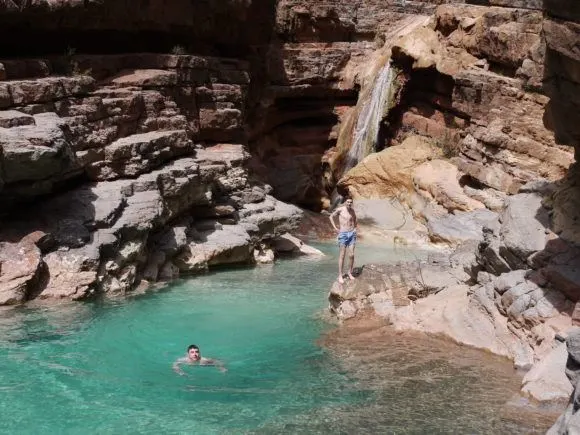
x=123 y=168
x=492 y=92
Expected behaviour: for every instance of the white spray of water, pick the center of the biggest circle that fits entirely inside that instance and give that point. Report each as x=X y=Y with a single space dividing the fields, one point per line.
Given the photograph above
x=369 y=119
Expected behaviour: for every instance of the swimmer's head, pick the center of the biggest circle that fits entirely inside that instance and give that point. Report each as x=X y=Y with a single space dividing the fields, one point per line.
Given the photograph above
x=193 y=352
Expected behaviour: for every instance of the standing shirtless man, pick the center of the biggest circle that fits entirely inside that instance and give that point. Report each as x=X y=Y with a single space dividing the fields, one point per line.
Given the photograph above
x=346 y=235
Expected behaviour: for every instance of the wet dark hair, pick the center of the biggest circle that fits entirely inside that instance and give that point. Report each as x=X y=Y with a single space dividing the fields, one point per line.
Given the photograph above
x=346 y=198
x=192 y=346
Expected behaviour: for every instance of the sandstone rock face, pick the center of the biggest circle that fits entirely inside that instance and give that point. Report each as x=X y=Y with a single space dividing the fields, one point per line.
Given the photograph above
x=150 y=168
x=389 y=173
x=474 y=84
x=20 y=269
x=438 y=180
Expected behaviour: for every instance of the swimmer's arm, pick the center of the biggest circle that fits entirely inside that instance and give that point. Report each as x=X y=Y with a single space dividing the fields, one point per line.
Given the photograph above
x=214 y=362
x=177 y=367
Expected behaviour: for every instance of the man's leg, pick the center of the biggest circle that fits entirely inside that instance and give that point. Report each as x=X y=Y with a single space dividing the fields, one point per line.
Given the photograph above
x=340 y=261
x=351 y=259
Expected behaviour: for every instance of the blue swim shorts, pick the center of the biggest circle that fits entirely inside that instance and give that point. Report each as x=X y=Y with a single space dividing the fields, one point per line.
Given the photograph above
x=347 y=238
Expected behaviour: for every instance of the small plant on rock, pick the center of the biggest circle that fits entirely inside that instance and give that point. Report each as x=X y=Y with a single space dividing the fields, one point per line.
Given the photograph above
x=178 y=50
x=73 y=67
x=449 y=144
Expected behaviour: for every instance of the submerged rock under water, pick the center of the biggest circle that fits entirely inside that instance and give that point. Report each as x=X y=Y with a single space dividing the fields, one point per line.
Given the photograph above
x=422 y=383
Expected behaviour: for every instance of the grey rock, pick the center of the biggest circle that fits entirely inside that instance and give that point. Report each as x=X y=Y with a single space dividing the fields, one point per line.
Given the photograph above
x=234 y=180
x=14 y=118
x=523 y=225
x=542 y=187
x=173 y=239
x=573 y=345
x=493 y=199
x=140 y=153
x=143 y=211
x=461 y=226
x=270 y=218
x=517 y=292
x=255 y=194
x=464 y=257
x=509 y=280
x=484 y=278
x=519 y=305
x=546 y=381
x=566 y=278
x=488 y=255
x=168 y=272
x=37 y=151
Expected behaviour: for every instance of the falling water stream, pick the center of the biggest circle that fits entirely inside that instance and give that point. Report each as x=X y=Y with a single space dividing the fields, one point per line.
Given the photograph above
x=368 y=123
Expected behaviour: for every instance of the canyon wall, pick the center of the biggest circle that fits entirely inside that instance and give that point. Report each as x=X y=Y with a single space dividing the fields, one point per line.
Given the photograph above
x=123 y=168
x=492 y=92
x=562 y=78
x=255 y=99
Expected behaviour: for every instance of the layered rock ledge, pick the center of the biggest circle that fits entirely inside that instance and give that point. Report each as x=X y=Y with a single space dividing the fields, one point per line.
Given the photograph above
x=137 y=177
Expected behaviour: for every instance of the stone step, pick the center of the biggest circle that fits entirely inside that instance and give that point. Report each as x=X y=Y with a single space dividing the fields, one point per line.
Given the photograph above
x=137 y=154
x=19 y=69
x=230 y=154
x=19 y=93
x=14 y=118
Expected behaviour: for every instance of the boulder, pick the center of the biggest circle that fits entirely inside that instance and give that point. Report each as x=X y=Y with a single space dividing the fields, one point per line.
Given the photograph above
x=461 y=226
x=263 y=254
x=524 y=223
x=71 y=274
x=547 y=381
x=228 y=244
x=288 y=244
x=389 y=173
x=20 y=269
x=438 y=180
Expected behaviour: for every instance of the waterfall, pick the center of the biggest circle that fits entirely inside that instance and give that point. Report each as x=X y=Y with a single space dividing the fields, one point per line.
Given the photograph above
x=367 y=125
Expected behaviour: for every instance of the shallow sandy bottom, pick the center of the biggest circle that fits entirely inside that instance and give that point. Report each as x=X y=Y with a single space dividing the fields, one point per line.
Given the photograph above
x=425 y=383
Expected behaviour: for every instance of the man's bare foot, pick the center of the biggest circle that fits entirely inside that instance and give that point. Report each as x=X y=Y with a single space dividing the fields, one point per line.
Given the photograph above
x=350 y=276
x=341 y=279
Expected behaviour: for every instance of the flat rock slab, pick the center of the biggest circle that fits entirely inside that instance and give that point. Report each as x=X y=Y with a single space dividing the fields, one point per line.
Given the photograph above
x=14 y=118
x=547 y=380
x=19 y=267
x=524 y=222
x=461 y=226
x=145 y=78
x=231 y=154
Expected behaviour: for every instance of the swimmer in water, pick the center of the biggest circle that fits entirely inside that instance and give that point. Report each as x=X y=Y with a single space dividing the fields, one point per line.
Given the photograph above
x=193 y=357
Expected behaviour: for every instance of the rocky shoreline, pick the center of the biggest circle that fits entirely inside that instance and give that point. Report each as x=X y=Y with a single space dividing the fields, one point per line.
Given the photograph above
x=510 y=290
